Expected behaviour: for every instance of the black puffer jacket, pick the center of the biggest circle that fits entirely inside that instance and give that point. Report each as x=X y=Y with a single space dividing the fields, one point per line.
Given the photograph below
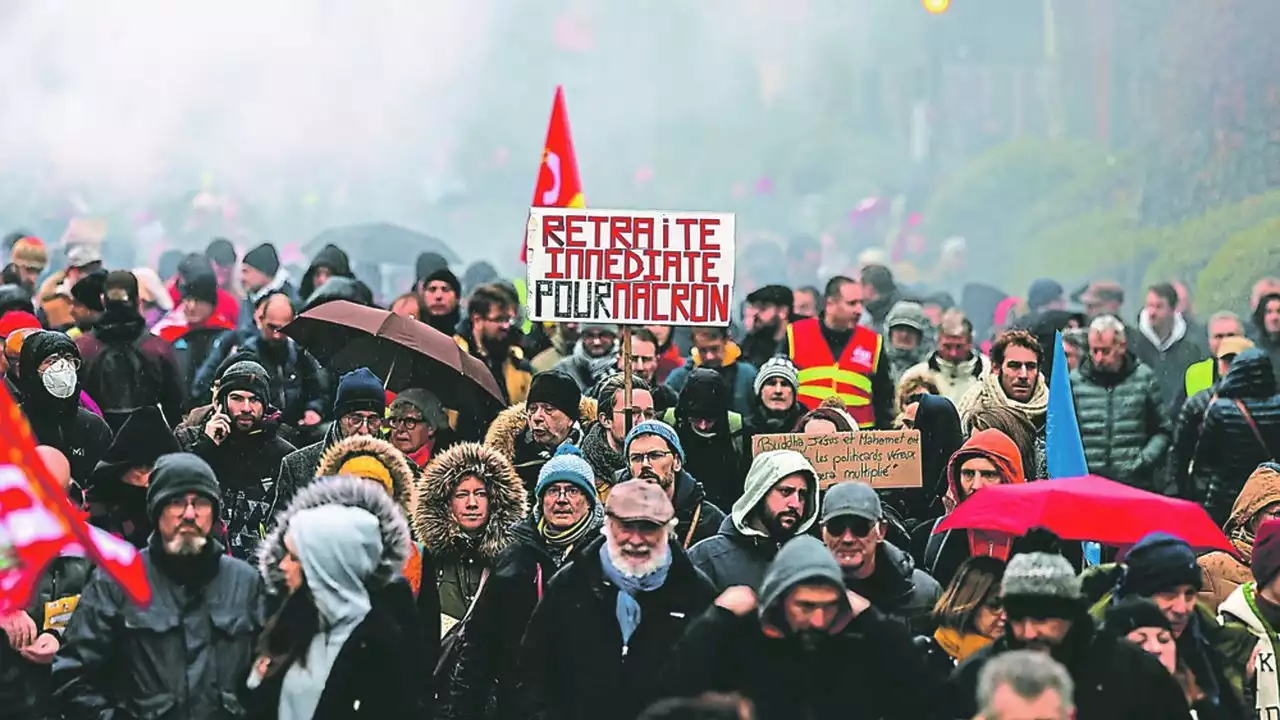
x=186 y=656
x=573 y=664
x=1186 y=437
x=24 y=686
x=1122 y=422
x=1229 y=448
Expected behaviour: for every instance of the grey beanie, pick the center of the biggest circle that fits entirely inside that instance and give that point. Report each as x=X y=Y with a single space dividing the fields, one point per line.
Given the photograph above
x=1040 y=585
x=779 y=366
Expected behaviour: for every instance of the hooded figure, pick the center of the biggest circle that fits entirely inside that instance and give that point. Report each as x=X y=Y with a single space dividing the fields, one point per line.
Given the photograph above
x=117 y=498
x=1264 y=295
x=462 y=556
x=334 y=263
x=388 y=586
x=940 y=437
x=715 y=455
x=1241 y=429
x=909 y=317
x=51 y=402
x=352 y=666
x=748 y=538
x=941 y=555
x=851 y=663
x=1258 y=502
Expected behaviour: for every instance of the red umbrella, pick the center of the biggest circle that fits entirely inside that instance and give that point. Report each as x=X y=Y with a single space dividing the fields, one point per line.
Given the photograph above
x=1086 y=508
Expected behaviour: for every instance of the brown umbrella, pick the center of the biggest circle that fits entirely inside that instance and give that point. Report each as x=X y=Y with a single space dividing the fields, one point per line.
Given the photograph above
x=403 y=352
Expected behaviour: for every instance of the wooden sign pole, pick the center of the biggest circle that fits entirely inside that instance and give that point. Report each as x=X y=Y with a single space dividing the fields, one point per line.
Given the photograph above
x=626 y=378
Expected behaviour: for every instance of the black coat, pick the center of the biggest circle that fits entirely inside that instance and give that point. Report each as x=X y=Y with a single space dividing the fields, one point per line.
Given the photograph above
x=126 y=327
x=484 y=682
x=1229 y=450
x=1186 y=438
x=1113 y=679
x=573 y=665
x=298 y=383
x=185 y=657
x=369 y=678
x=870 y=670
x=899 y=590
x=25 y=691
x=246 y=467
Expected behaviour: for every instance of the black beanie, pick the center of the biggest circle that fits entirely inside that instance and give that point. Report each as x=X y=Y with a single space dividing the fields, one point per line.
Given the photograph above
x=1158 y=563
x=1132 y=613
x=446 y=275
x=246 y=376
x=359 y=390
x=557 y=390
x=221 y=252
x=177 y=474
x=201 y=286
x=88 y=290
x=263 y=259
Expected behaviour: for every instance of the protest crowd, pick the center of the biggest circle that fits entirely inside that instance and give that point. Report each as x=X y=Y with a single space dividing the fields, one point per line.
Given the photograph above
x=483 y=516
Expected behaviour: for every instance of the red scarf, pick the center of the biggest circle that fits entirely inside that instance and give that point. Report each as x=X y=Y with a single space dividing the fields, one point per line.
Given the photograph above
x=422 y=455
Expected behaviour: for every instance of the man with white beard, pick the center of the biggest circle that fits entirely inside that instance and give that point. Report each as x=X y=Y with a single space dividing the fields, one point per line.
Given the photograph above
x=186 y=654
x=608 y=620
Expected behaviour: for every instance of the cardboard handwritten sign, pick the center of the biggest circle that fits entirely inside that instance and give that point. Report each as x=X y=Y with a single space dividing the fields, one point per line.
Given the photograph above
x=630 y=267
x=880 y=458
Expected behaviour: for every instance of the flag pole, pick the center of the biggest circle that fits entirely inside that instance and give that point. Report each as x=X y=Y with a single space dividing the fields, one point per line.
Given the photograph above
x=626 y=378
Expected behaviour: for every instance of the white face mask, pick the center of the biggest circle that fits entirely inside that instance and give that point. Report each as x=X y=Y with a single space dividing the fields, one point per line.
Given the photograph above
x=60 y=379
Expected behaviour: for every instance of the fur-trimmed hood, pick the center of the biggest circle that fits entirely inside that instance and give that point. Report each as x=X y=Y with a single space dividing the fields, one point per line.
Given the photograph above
x=402 y=475
x=505 y=428
x=352 y=492
x=433 y=519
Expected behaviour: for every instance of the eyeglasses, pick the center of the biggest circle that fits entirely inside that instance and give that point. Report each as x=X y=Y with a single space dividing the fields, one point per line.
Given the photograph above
x=646 y=413
x=651 y=457
x=180 y=505
x=354 y=421
x=860 y=526
x=408 y=423
x=568 y=492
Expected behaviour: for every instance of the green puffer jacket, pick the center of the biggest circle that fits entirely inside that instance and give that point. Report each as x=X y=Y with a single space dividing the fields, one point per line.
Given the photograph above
x=1122 y=422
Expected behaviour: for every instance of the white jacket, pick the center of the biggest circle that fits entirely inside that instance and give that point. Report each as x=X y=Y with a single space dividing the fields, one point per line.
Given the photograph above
x=1239 y=607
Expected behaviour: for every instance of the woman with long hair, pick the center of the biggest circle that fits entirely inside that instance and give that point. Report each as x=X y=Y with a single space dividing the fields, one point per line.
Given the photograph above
x=969 y=615
x=329 y=651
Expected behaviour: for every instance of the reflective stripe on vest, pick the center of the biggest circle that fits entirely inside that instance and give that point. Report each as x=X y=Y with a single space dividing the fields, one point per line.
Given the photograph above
x=1199 y=376
x=822 y=377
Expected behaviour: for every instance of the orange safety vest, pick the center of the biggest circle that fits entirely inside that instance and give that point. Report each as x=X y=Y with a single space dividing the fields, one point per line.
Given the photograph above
x=821 y=376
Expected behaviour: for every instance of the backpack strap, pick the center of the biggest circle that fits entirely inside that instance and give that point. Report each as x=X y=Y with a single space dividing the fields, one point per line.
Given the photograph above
x=934 y=548
x=1254 y=427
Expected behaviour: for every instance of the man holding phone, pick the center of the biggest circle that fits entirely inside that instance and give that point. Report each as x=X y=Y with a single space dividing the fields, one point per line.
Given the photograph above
x=240 y=443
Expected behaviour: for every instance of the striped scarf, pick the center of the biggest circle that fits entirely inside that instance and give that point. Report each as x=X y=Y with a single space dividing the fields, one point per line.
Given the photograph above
x=561 y=542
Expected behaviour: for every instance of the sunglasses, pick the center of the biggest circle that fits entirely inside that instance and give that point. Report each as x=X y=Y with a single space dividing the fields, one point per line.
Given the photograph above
x=860 y=526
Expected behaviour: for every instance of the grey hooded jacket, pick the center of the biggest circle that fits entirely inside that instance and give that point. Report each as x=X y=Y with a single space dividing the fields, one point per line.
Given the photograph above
x=741 y=552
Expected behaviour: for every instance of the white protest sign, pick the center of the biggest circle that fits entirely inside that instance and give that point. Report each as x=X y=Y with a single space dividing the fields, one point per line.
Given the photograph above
x=630 y=267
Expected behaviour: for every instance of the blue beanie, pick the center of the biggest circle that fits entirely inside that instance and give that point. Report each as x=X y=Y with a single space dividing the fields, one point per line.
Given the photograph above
x=567 y=465
x=1159 y=562
x=659 y=428
x=359 y=390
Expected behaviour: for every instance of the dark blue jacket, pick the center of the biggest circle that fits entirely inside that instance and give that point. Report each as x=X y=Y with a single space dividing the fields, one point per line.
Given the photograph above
x=1229 y=449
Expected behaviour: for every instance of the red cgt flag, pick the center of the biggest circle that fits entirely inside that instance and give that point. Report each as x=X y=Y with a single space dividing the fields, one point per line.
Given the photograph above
x=38 y=523
x=558 y=181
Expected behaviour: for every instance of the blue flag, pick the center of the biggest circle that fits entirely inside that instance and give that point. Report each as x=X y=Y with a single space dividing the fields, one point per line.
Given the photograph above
x=1063 y=448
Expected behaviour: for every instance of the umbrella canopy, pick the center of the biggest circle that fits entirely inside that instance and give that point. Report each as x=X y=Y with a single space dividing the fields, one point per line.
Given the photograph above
x=382 y=242
x=1086 y=508
x=404 y=352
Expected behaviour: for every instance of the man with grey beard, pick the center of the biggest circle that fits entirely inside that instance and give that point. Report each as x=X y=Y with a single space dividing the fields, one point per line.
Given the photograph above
x=186 y=655
x=609 y=619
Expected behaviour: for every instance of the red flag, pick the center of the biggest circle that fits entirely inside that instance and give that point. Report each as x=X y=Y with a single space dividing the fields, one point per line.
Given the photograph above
x=558 y=181
x=38 y=522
